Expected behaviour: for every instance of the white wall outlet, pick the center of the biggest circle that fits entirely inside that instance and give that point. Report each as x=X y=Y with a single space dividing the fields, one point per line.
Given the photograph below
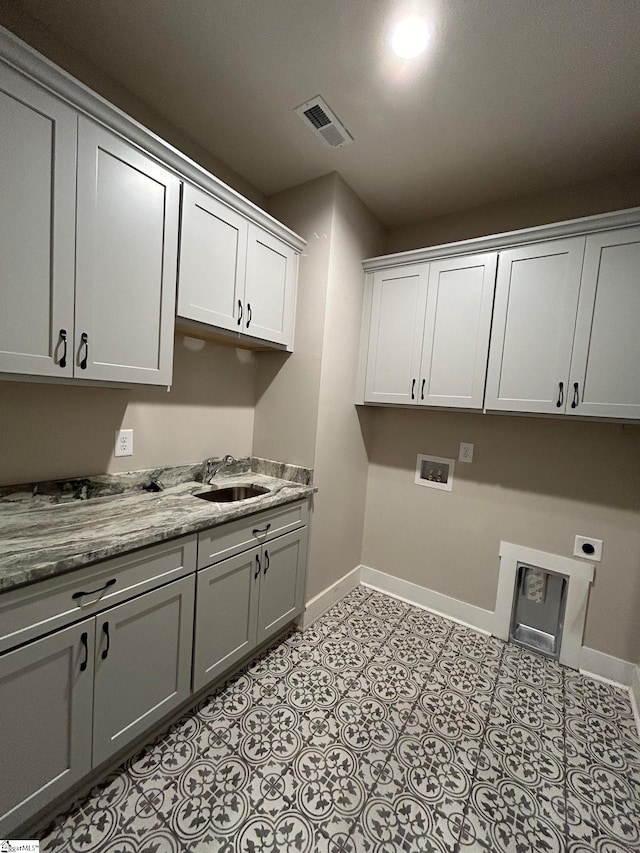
x=124 y=442
x=466 y=452
x=586 y=546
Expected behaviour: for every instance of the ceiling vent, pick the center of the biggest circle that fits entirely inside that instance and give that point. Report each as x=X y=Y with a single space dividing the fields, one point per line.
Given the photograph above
x=324 y=123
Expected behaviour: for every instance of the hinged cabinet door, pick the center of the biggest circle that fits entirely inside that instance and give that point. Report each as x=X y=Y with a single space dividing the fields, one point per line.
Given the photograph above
x=284 y=563
x=213 y=259
x=395 y=334
x=142 y=664
x=46 y=694
x=270 y=289
x=37 y=230
x=226 y=612
x=534 y=319
x=126 y=261
x=456 y=333
x=605 y=368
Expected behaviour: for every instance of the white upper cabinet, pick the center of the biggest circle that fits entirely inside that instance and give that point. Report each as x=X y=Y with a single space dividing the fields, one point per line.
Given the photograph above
x=398 y=302
x=126 y=261
x=605 y=366
x=88 y=246
x=270 y=291
x=37 y=228
x=533 y=323
x=213 y=258
x=429 y=332
x=234 y=275
x=456 y=331
x=89 y=226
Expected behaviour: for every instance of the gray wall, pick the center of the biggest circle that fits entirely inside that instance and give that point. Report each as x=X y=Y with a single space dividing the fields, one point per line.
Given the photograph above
x=288 y=385
x=56 y=431
x=304 y=411
x=341 y=458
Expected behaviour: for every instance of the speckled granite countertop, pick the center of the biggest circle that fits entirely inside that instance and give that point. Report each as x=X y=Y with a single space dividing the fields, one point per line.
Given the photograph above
x=50 y=528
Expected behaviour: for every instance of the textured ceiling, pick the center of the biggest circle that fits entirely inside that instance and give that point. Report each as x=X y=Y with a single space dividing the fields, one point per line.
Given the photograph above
x=515 y=97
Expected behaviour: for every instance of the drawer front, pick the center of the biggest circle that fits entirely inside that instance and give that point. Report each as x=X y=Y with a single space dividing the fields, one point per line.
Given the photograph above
x=36 y=610
x=232 y=538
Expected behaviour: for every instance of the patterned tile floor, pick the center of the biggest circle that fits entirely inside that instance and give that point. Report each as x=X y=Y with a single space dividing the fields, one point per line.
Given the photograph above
x=381 y=728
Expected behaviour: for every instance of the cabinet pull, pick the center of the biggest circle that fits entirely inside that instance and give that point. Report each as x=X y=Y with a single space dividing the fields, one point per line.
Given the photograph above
x=576 y=396
x=259 y=530
x=560 y=400
x=63 y=338
x=105 y=629
x=422 y=390
x=94 y=591
x=84 y=340
x=239 y=312
x=257 y=574
x=84 y=638
x=249 y=315
x=413 y=388
x=267 y=562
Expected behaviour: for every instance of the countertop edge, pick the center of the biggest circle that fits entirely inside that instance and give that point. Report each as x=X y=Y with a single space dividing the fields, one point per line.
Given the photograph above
x=20 y=578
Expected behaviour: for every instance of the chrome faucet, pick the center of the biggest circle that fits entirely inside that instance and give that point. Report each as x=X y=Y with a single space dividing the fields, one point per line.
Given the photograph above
x=210 y=467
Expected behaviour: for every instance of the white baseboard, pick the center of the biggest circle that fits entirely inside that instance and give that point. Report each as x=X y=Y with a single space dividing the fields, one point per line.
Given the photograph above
x=593 y=663
x=634 y=692
x=320 y=603
x=442 y=605
x=606 y=667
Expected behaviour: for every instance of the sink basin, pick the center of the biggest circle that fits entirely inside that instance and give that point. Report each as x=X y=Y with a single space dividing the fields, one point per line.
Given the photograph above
x=228 y=494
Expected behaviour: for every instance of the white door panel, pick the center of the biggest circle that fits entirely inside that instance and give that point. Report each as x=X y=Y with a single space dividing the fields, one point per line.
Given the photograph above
x=395 y=335
x=534 y=316
x=605 y=369
x=456 y=336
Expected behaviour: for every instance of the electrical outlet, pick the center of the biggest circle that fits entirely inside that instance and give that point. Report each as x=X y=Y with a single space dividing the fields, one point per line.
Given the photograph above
x=585 y=546
x=466 y=452
x=124 y=442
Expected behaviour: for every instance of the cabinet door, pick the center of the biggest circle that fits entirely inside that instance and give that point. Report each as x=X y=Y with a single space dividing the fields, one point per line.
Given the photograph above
x=284 y=563
x=37 y=228
x=142 y=664
x=533 y=324
x=46 y=690
x=605 y=368
x=395 y=334
x=456 y=333
x=270 y=290
x=213 y=258
x=127 y=235
x=227 y=605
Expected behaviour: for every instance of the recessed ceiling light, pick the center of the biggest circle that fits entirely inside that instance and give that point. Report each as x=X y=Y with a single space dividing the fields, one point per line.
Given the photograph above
x=410 y=37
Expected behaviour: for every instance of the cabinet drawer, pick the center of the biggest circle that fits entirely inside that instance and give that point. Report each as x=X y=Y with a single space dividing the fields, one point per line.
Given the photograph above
x=36 y=610
x=224 y=541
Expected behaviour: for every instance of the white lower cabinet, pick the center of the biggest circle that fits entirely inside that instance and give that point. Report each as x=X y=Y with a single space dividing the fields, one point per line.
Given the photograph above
x=143 y=657
x=227 y=603
x=282 y=582
x=46 y=697
x=244 y=599
x=73 y=698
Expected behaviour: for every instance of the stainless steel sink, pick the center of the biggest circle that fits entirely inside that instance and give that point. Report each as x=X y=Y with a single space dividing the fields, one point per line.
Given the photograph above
x=228 y=494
